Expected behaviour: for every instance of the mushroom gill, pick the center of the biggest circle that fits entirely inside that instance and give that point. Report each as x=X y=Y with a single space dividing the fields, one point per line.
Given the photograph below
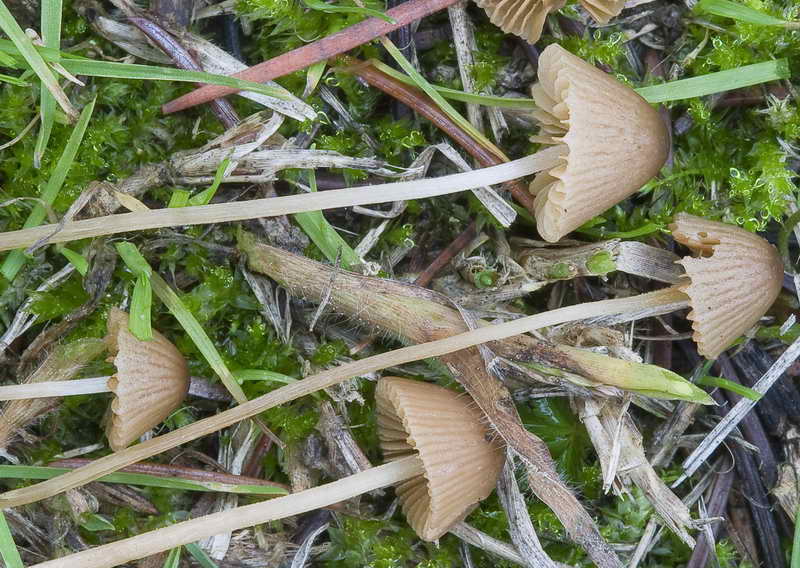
x=731 y=284
x=612 y=140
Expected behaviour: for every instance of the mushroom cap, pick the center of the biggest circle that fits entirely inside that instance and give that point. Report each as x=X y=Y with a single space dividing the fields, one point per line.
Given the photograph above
x=613 y=142
x=151 y=381
x=730 y=285
x=525 y=18
x=449 y=434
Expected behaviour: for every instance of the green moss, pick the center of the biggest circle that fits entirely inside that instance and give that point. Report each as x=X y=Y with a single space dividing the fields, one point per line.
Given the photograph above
x=601 y=263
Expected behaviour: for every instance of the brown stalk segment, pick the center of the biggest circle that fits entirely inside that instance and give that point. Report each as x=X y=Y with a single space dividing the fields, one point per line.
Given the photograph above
x=327 y=47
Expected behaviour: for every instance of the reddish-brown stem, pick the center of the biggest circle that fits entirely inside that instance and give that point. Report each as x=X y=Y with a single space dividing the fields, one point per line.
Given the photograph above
x=181 y=472
x=425 y=106
x=183 y=60
x=446 y=255
x=320 y=50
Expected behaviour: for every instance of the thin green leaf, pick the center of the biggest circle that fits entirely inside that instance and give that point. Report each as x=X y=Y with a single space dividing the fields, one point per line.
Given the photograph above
x=8 y=550
x=142 y=298
x=179 y=198
x=205 y=196
x=78 y=260
x=200 y=556
x=719 y=382
x=25 y=47
x=197 y=334
x=313 y=76
x=11 y=80
x=142 y=480
x=741 y=13
x=334 y=8
x=51 y=36
x=114 y=70
x=16 y=259
x=262 y=375
x=423 y=84
x=133 y=259
x=717 y=82
x=323 y=235
x=141 y=305
x=796 y=541
x=174 y=558
x=456 y=95
x=94 y=68
x=93 y=522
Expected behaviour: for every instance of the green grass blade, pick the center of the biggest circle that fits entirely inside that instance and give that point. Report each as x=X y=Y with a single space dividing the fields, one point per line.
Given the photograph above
x=78 y=260
x=142 y=480
x=139 y=322
x=741 y=390
x=8 y=550
x=423 y=84
x=718 y=82
x=740 y=12
x=16 y=259
x=51 y=36
x=456 y=95
x=174 y=558
x=262 y=375
x=26 y=48
x=200 y=556
x=11 y=80
x=114 y=70
x=205 y=196
x=795 y=563
x=334 y=8
x=198 y=335
x=326 y=238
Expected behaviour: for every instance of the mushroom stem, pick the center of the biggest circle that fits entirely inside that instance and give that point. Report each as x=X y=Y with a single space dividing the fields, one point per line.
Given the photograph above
x=653 y=303
x=290 y=204
x=325 y=48
x=159 y=540
x=54 y=388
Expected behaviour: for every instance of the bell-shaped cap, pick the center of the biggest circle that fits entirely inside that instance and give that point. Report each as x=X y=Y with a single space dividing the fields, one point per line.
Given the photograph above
x=731 y=284
x=151 y=381
x=460 y=458
x=612 y=140
x=525 y=18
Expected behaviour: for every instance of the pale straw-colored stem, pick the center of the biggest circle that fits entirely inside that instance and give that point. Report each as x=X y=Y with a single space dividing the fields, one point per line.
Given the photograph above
x=274 y=206
x=51 y=389
x=159 y=540
x=669 y=299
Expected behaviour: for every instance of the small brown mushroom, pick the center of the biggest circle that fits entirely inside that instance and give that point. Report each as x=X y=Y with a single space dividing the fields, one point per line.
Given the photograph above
x=731 y=284
x=442 y=460
x=525 y=18
x=152 y=379
x=612 y=142
x=448 y=434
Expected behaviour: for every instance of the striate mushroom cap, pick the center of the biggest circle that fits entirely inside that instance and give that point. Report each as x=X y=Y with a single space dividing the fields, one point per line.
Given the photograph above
x=449 y=434
x=730 y=285
x=613 y=142
x=151 y=381
x=525 y=18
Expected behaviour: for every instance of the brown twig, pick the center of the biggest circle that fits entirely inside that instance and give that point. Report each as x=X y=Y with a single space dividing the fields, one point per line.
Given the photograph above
x=222 y=108
x=325 y=48
x=447 y=255
x=181 y=472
